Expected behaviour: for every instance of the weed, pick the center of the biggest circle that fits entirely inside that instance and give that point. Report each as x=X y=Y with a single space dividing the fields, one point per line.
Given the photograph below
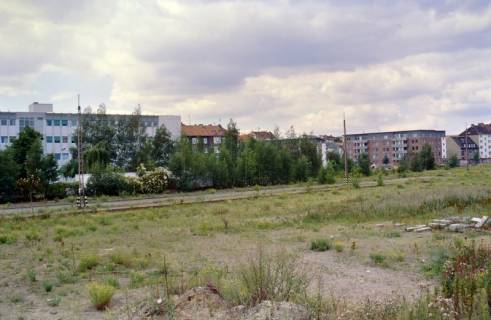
x=378 y=258
x=268 y=277
x=100 y=294
x=53 y=301
x=338 y=246
x=122 y=258
x=16 y=298
x=33 y=236
x=392 y=234
x=7 y=238
x=136 y=279
x=48 y=286
x=88 y=262
x=31 y=275
x=320 y=245
x=112 y=281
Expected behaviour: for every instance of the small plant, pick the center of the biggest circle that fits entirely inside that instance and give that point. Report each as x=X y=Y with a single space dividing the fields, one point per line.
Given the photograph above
x=100 y=294
x=88 y=262
x=31 y=275
x=136 y=279
x=320 y=245
x=53 y=301
x=112 y=281
x=378 y=258
x=48 y=286
x=122 y=258
x=392 y=234
x=7 y=238
x=380 y=180
x=338 y=246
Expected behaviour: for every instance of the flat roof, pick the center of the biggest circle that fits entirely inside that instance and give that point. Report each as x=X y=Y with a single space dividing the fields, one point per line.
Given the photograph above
x=394 y=132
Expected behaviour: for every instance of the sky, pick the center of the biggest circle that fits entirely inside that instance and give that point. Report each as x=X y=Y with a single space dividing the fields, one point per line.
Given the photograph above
x=385 y=65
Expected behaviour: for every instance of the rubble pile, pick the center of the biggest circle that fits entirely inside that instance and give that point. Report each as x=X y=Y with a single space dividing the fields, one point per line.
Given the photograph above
x=453 y=224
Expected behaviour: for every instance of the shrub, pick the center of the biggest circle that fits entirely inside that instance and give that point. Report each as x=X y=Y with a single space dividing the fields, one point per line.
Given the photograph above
x=380 y=180
x=47 y=286
x=268 y=277
x=378 y=258
x=7 y=238
x=88 y=262
x=100 y=294
x=320 y=245
x=339 y=247
x=54 y=301
x=136 y=279
x=155 y=181
x=107 y=182
x=60 y=190
x=122 y=258
x=31 y=275
x=112 y=281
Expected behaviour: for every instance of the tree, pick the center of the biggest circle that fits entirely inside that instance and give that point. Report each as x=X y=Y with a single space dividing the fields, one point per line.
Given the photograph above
x=427 y=158
x=415 y=162
x=277 y=132
x=231 y=142
x=302 y=169
x=475 y=157
x=453 y=161
x=163 y=146
x=23 y=145
x=364 y=164
x=386 y=160
x=49 y=172
x=9 y=172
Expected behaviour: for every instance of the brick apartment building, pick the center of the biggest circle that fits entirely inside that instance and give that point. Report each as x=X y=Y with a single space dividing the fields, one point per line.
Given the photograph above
x=394 y=145
x=209 y=136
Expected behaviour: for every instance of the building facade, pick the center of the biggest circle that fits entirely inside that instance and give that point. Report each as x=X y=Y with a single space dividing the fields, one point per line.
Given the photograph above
x=209 y=137
x=389 y=148
x=481 y=135
x=58 y=130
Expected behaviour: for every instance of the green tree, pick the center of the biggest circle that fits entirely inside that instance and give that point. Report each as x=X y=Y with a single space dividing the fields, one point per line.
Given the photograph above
x=386 y=160
x=302 y=169
x=475 y=157
x=9 y=170
x=364 y=164
x=22 y=147
x=415 y=162
x=427 y=158
x=163 y=147
x=453 y=161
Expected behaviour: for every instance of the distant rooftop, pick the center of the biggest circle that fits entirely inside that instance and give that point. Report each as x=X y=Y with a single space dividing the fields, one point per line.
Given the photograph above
x=397 y=132
x=477 y=129
x=201 y=130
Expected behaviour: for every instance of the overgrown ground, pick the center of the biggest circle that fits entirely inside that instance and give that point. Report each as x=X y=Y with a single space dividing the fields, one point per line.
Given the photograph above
x=46 y=264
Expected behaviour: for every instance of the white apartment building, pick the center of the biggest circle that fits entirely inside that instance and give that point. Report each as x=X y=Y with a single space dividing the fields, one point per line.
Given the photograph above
x=58 y=129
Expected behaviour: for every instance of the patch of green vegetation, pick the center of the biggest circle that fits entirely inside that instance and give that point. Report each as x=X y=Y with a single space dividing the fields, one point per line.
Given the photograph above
x=320 y=245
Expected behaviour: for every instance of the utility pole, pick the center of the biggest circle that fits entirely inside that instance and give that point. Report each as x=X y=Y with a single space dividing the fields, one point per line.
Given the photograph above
x=466 y=149
x=82 y=200
x=346 y=177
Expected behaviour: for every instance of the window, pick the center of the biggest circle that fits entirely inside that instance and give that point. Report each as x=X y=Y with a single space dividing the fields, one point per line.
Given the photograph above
x=57 y=139
x=4 y=139
x=64 y=139
x=12 y=122
x=3 y=122
x=57 y=156
x=73 y=139
x=205 y=140
x=11 y=139
x=64 y=123
x=49 y=139
x=74 y=123
x=194 y=140
x=217 y=140
x=56 y=123
x=26 y=122
x=65 y=156
x=49 y=122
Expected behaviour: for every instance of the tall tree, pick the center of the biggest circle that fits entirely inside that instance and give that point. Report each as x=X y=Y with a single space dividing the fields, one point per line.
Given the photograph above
x=9 y=170
x=163 y=146
x=364 y=164
x=427 y=157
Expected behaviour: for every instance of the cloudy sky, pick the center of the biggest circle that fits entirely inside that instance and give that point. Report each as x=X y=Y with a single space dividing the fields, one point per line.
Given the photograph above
x=386 y=64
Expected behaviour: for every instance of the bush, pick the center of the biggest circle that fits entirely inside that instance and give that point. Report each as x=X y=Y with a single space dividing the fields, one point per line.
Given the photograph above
x=100 y=294
x=378 y=258
x=320 y=245
x=88 y=262
x=380 y=180
x=266 y=277
x=155 y=181
x=108 y=182
x=7 y=238
x=339 y=247
x=48 y=286
x=60 y=190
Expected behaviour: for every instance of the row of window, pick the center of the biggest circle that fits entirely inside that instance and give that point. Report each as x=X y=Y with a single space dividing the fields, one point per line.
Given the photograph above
x=59 y=139
x=7 y=122
x=216 y=140
x=5 y=139
x=61 y=156
x=59 y=122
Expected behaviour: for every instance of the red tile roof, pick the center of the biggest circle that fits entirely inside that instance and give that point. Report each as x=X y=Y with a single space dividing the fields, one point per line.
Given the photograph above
x=201 y=130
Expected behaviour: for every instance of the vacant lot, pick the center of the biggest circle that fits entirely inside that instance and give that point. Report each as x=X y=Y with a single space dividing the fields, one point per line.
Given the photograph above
x=46 y=264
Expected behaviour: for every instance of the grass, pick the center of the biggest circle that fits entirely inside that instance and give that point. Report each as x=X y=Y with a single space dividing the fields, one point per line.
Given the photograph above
x=200 y=247
x=320 y=245
x=100 y=294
